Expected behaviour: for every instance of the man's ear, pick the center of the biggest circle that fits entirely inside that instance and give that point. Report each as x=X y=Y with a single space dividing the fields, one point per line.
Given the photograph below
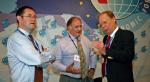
x=114 y=19
x=19 y=18
x=68 y=27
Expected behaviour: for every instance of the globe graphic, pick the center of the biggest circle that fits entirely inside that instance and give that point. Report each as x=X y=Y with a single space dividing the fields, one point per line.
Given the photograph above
x=121 y=8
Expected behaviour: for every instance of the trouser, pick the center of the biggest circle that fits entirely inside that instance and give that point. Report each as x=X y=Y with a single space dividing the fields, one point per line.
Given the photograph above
x=65 y=78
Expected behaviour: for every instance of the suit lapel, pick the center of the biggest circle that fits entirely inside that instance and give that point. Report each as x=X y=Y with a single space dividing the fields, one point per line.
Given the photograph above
x=116 y=39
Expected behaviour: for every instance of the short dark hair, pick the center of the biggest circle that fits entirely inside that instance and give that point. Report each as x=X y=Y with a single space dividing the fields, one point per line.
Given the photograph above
x=108 y=12
x=71 y=19
x=20 y=11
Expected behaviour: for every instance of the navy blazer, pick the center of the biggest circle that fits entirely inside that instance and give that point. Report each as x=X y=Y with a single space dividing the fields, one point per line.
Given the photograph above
x=119 y=68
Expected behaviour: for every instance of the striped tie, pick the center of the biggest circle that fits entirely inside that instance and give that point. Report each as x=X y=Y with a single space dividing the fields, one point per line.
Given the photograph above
x=38 y=77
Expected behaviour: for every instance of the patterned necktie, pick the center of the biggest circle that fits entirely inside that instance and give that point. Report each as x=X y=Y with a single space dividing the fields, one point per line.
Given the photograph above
x=38 y=77
x=82 y=59
x=104 y=63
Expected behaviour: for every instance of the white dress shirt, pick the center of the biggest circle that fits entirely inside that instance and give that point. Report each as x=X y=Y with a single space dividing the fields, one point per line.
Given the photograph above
x=23 y=57
x=65 y=52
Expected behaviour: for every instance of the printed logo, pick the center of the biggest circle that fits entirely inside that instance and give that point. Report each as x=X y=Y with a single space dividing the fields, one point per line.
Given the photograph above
x=121 y=8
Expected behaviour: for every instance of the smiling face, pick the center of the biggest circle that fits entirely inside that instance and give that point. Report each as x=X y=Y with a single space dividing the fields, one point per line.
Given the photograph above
x=75 y=28
x=27 y=20
x=107 y=23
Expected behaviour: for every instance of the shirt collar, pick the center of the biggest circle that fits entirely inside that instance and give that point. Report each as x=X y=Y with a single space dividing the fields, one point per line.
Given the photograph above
x=23 y=31
x=72 y=37
x=114 y=32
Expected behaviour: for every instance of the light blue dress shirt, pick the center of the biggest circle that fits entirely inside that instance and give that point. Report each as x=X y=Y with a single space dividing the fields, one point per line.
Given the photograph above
x=65 y=52
x=23 y=57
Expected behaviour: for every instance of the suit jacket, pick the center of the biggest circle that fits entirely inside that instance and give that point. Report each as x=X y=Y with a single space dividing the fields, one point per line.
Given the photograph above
x=119 y=69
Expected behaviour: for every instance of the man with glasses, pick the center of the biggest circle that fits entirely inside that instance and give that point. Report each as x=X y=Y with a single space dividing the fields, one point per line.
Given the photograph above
x=74 y=57
x=26 y=55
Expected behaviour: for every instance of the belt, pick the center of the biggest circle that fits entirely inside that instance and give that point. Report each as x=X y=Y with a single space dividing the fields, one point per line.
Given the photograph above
x=38 y=68
x=70 y=76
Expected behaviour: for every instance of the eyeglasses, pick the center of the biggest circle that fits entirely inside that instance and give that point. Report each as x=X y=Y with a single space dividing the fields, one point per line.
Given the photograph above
x=77 y=26
x=30 y=16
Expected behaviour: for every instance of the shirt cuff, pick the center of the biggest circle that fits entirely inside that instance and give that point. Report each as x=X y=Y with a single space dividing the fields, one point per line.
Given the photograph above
x=106 y=56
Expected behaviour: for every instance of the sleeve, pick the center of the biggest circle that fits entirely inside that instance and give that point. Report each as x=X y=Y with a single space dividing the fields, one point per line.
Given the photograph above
x=92 y=55
x=93 y=60
x=24 y=51
x=46 y=55
x=46 y=58
x=58 y=54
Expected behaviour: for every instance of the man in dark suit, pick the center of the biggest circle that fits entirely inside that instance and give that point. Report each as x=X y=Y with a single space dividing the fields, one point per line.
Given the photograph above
x=117 y=51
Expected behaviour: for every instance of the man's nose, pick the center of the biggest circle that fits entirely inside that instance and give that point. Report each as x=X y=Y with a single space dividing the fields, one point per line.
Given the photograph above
x=79 y=28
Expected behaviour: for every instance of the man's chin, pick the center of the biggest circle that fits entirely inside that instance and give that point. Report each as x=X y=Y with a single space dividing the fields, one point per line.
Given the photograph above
x=31 y=27
x=78 y=35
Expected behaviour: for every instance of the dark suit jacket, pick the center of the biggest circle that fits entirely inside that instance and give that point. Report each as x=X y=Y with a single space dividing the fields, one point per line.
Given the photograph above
x=119 y=69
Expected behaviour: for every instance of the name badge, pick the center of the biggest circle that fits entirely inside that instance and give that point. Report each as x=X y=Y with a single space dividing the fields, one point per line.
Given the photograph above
x=76 y=58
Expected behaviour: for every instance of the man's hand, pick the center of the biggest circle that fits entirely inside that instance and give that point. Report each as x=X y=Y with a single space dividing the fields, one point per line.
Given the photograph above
x=91 y=72
x=71 y=69
x=99 y=46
